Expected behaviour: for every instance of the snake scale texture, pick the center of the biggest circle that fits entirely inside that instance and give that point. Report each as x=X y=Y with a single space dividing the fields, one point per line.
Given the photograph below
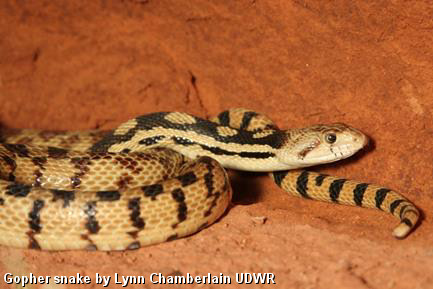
x=161 y=176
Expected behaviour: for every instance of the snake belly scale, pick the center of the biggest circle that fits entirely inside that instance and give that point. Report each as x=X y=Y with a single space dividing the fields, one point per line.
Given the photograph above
x=161 y=176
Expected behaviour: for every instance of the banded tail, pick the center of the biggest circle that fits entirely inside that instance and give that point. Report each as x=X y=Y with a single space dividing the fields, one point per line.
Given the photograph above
x=326 y=188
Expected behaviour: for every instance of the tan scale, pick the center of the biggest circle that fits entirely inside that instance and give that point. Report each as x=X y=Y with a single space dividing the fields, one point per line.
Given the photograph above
x=180 y=118
x=124 y=129
x=226 y=131
x=156 y=194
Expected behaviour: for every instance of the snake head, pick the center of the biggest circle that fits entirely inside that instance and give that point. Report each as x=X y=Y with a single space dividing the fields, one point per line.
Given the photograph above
x=321 y=144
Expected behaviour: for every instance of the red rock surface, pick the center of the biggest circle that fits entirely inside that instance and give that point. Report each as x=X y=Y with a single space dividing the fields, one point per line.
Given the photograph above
x=94 y=64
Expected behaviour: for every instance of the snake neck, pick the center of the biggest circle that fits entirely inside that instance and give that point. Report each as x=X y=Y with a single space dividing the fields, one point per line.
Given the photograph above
x=251 y=150
x=194 y=137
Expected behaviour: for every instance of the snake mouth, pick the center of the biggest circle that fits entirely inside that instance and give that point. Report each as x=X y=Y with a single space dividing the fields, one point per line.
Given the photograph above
x=343 y=151
x=321 y=153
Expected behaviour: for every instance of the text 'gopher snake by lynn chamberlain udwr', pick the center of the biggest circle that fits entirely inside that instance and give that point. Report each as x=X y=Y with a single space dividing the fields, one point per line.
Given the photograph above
x=160 y=176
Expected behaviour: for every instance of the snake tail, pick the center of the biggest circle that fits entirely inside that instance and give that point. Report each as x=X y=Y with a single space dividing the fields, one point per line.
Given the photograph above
x=322 y=187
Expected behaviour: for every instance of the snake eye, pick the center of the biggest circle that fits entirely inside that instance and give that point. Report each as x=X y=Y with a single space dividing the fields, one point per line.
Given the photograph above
x=330 y=138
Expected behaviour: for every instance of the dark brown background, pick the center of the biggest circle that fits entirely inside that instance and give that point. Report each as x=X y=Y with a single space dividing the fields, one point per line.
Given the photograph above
x=94 y=64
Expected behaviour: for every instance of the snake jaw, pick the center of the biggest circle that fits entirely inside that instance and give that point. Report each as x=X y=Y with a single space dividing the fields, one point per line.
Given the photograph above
x=310 y=147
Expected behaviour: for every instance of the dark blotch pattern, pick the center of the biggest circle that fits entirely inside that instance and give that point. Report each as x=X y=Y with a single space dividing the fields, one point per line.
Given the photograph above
x=66 y=196
x=13 y=165
x=209 y=183
x=57 y=153
x=10 y=161
x=39 y=161
x=301 y=184
x=411 y=210
x=224 y=118
x=172 y=237
x=252 y=155
x=279 y=176
x=108 y=195
x=134 y=245
x=134 y=234
x=33 y=244
x=182 y=141
x=2 y=201
x=182 y=209
x=34 y=216
x=319 y=179
x=151 y=140
x=407 y=222
x=152 y=190
x=403 y=209
x=208 y=180
x=358 y=193
x=187 y=179
x=92 y=224
x=394 y=205
x=123 y=182
x=246 y=119
x=91 y=246
x=18 y=190
x=11 y=177
x=75 y=182
x=380 y=197
x=335 y=189
x=19 y=149
x=134 y=207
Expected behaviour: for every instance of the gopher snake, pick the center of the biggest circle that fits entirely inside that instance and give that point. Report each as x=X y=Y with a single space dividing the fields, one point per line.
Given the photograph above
x=131 y=188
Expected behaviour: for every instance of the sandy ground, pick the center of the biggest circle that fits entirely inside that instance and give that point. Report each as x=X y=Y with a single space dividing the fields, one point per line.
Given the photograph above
x=94 y=64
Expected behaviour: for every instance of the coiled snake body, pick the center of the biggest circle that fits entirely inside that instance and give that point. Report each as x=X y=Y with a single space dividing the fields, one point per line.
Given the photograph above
x=160 y=176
